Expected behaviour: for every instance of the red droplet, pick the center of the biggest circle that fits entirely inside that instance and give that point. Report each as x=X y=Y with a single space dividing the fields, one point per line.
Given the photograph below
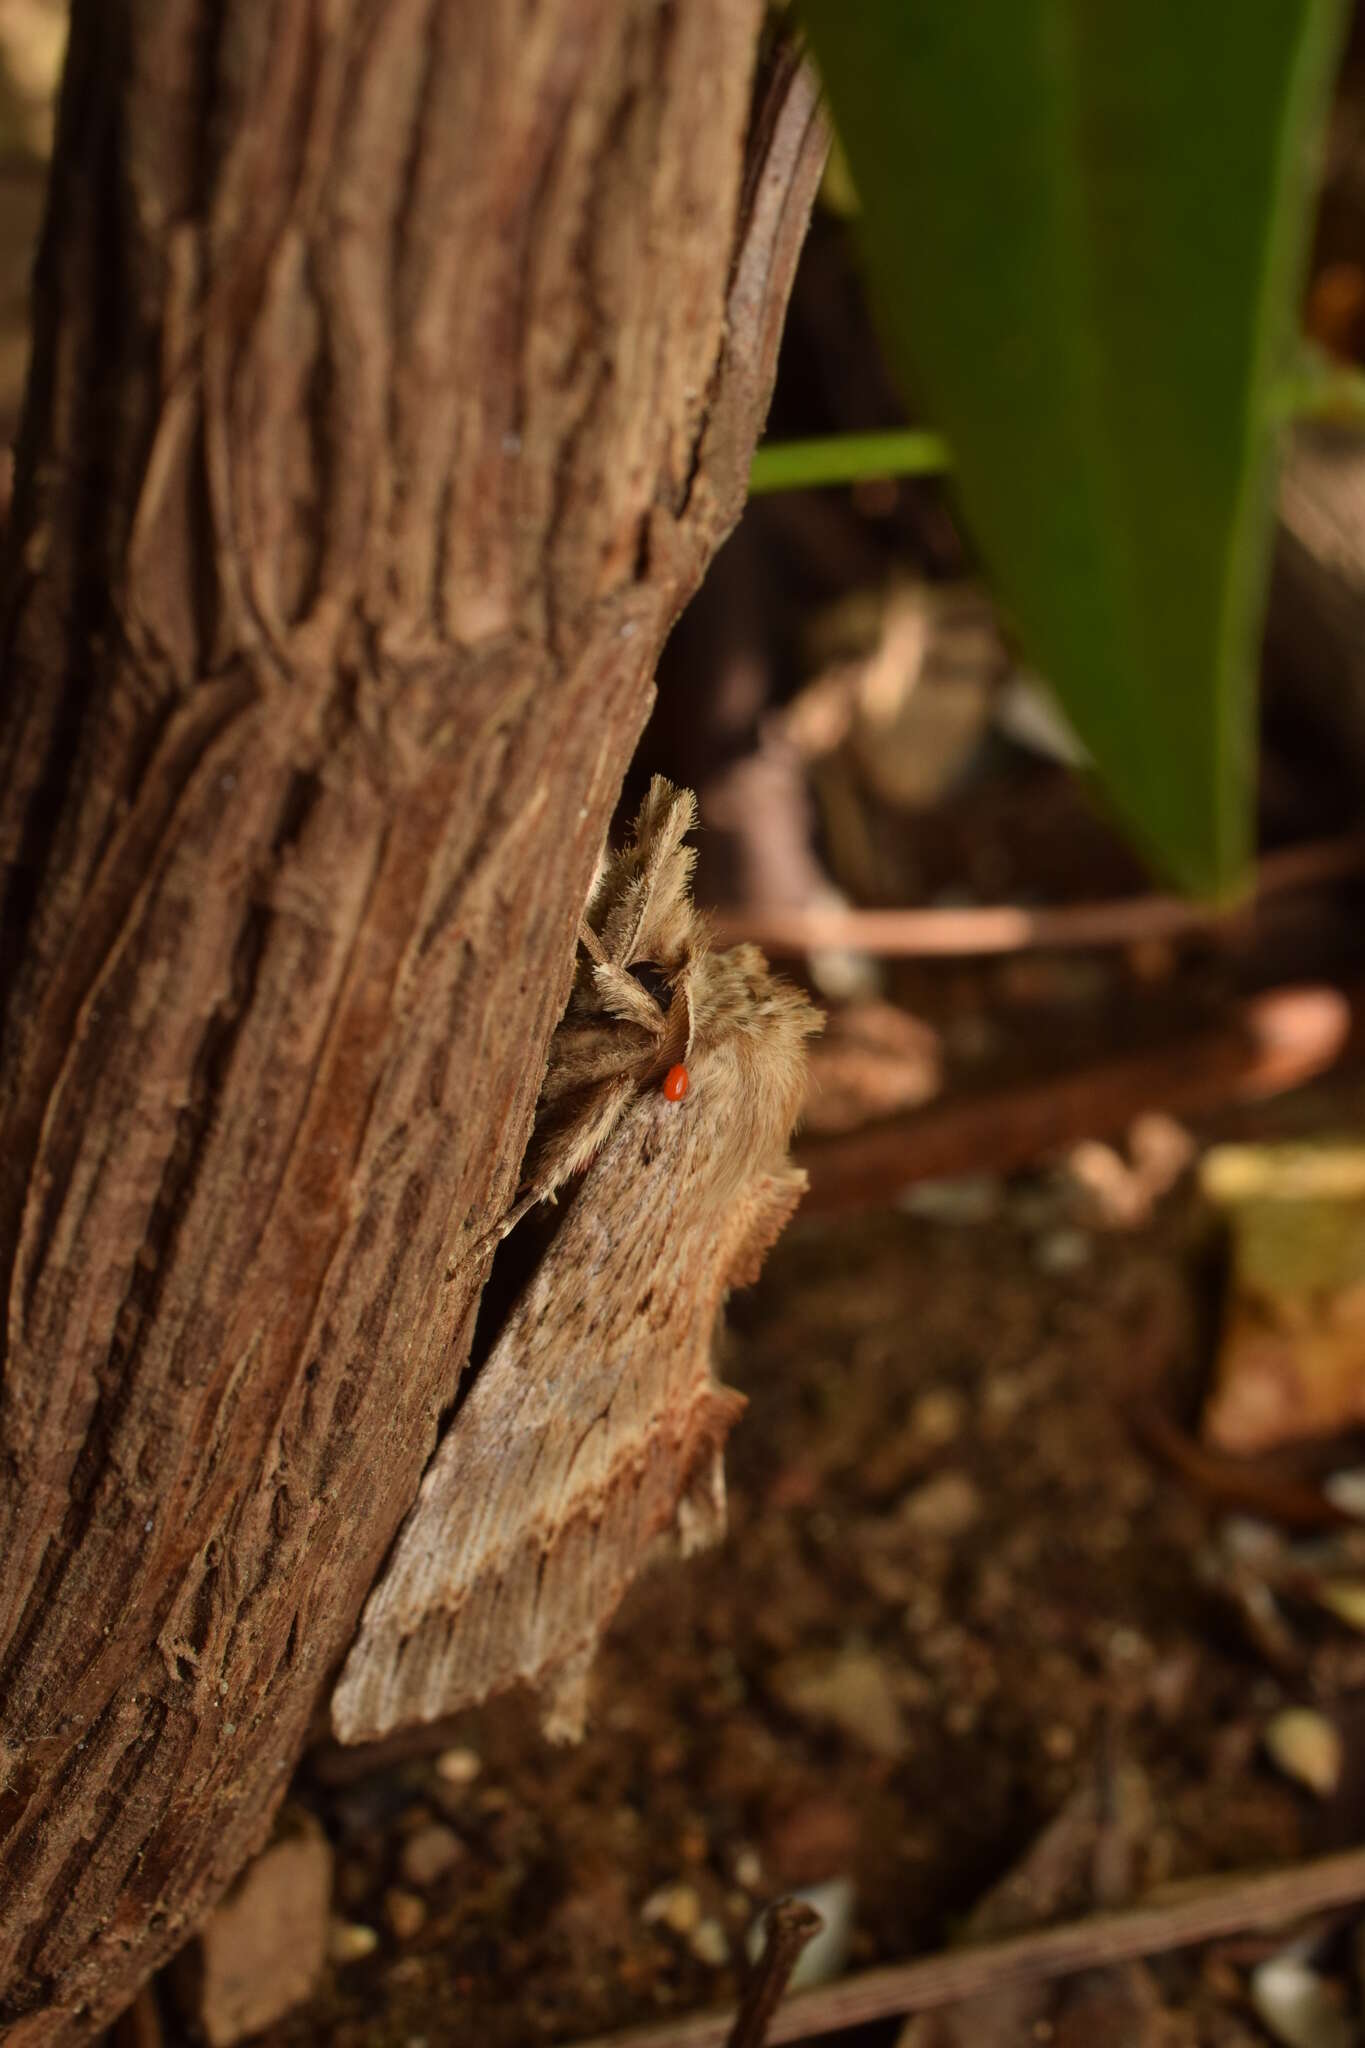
x=675 y=1083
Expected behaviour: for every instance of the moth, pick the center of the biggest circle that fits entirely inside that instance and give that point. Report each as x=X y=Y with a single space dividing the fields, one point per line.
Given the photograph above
x=596 y=1424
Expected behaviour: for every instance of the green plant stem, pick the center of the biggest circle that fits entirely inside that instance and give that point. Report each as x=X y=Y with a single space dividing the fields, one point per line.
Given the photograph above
x=1326 y=391
x=847 y=459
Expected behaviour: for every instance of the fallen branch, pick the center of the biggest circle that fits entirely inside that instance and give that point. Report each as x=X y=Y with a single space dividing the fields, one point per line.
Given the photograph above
x=1271 y=1043
x=1007 y=928
x=1209 y=1911
x=1260 y=1486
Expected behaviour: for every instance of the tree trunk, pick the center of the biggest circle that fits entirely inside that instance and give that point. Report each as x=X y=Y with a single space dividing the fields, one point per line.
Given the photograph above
x=398 y=365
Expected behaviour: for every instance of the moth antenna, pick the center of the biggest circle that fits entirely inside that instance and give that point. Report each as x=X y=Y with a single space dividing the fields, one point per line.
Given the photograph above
x=591 y=944
x=646 y=911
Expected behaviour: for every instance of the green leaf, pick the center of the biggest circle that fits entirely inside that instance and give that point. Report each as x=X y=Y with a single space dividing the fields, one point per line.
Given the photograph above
x=1086 y=221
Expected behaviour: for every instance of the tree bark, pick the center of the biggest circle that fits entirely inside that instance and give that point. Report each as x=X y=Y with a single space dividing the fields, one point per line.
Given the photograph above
x=397 y=368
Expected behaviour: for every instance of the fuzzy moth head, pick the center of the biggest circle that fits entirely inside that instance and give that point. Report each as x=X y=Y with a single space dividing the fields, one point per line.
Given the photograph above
x=653 y=1005
x=641 y=936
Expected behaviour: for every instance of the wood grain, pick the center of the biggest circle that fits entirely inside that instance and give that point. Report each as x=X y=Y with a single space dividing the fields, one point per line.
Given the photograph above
x=398 y=365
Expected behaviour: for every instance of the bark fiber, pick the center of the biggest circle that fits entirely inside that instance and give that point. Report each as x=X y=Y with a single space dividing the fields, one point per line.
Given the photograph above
x=397 y=368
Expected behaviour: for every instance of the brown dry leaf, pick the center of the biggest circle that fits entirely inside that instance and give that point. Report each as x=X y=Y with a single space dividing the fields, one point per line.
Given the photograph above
x=1306 y=1746
x=1292 y=1359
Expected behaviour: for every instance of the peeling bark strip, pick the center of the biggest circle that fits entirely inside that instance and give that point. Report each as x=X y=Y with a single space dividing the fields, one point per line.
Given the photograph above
x=398 y=366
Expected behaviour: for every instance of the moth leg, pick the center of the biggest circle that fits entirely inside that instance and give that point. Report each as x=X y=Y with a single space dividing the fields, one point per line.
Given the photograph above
x=591 y=944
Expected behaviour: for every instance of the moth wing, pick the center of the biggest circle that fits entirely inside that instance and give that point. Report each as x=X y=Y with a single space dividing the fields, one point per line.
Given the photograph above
x=595 y=1424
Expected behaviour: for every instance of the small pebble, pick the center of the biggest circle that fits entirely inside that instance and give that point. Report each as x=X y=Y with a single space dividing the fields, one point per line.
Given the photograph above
x=348 y=1941
x=1305 y=1746
x=405 y=1913
x=709 y=1944
x=675 y=1905
x=429 y=1854
x=458 y=1766
x=945 y=1506
x=1346 y=1490
x=1250 y=1540
x=1346 y=1599
x=692 y=1845
x=851 y=1690
x=938 y=1416
x=1298 y=2007
x=1062 y=1251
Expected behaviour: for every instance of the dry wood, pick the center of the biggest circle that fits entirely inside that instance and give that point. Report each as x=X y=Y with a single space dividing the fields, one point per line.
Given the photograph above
x=1006 y=928
x=1270 y=1043
x=397 y=372
x=791 y=1924
x=1266 y=1487
x=1206 y=1911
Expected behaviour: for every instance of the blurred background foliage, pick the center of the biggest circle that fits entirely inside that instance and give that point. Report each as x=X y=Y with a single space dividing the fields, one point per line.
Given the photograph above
x=1086 y=229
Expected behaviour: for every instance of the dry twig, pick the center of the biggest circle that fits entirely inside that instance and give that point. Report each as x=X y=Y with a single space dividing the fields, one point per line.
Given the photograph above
x=1271 y=1043
x=1007 y=928
x=1209 y=1911
x=791 y=1924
